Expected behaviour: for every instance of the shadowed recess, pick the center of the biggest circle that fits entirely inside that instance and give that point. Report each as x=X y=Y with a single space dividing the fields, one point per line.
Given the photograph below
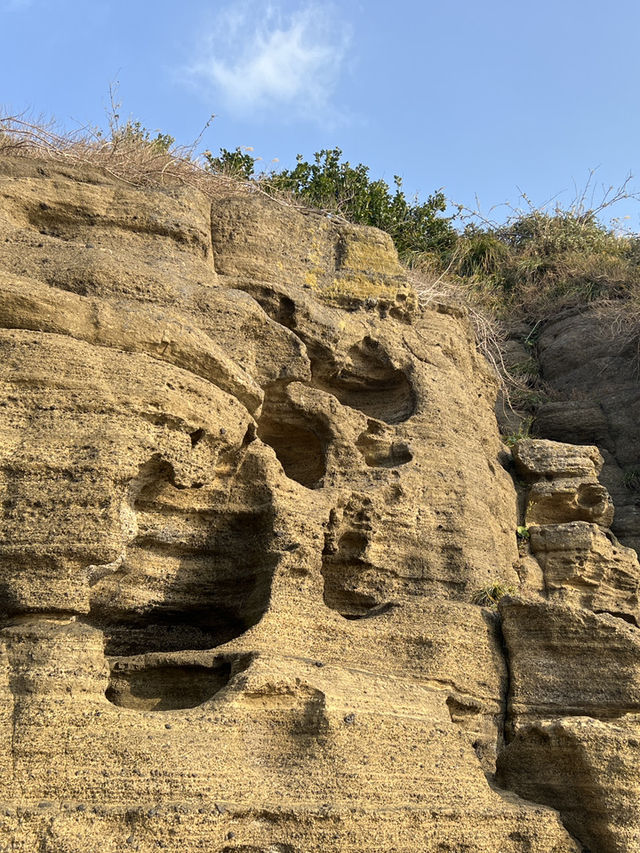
x=198 y=571
x=379 y=450
x=167 y=687
x=368 y=381
x=351 y=586
x=299 y=440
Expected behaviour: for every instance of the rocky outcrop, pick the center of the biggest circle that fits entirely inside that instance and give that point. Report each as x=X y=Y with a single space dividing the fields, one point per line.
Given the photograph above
x=250 y=491
x=589 y=362
x=573 y=719
x=562 y=482
x=573 y=701
x=566 y=512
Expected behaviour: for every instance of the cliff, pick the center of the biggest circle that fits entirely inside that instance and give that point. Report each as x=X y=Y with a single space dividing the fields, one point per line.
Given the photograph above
x=251 y=490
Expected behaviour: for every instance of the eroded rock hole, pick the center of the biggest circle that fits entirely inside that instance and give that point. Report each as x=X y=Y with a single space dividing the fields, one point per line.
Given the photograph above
x=368 y=381
x=382 y=452
x=197 y=571
x=196 y=437
x=299 y=439
x=277 y=306
x=351 y=586
x=166 y=687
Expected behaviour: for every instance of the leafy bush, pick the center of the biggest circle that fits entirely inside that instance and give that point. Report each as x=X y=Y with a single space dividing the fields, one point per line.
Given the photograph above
x=237 y=163
x=334 y=186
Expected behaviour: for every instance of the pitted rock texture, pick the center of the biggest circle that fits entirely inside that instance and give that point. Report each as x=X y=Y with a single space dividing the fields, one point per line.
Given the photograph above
x=249 y=491
x=562 y=483
x=566 y=512
x=571 y=720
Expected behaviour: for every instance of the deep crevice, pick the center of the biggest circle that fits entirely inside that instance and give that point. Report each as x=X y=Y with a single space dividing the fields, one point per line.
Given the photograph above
x=504 y=725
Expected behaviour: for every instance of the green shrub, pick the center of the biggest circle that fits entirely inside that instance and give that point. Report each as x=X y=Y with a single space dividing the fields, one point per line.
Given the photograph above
x=540 y=262
x=236 y=164
x=327 y=183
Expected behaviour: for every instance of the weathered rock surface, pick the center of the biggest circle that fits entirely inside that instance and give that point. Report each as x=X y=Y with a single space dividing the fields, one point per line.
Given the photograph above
x=546 y=759
x=566 y=513
x=562 y=483
x=573 y=715
x=249 y=491
x=590 y=363
x=582 y=564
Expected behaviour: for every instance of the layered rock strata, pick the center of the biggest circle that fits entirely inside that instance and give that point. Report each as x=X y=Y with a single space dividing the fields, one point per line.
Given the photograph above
x=574 y=656
x=589 y=362
x=250 y=489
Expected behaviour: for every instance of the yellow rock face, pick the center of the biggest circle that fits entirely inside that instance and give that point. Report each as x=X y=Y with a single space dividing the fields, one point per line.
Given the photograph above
x=249 y=489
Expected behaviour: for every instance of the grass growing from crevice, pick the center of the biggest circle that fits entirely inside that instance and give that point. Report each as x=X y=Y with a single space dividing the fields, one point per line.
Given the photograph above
x=490 y=595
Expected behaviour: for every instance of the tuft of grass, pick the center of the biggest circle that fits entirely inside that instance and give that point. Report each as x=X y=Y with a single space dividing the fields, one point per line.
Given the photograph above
x=631 y=480
x=490 y=595
x=542 y=261
x=524 y=431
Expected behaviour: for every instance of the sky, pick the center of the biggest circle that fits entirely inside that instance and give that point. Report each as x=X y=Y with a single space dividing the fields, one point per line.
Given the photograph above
x=484 y=100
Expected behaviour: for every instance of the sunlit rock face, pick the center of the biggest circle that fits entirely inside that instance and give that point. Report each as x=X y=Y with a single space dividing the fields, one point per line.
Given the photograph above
x=250 y=491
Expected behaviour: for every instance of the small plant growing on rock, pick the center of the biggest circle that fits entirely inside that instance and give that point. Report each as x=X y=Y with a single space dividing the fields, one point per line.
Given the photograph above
x=631 y=480
x=522 y=532
x=530 y=367
x=490 y=595
x=523 y=431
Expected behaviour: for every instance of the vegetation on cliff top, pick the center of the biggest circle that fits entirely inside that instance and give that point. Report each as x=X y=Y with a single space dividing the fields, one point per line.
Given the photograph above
x=536 y=263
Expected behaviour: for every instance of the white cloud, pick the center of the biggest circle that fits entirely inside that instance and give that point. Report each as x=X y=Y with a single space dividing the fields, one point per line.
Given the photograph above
x=256 y=57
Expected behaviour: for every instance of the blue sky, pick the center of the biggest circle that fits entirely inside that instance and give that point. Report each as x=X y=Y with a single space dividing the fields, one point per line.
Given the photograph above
x=477 y=98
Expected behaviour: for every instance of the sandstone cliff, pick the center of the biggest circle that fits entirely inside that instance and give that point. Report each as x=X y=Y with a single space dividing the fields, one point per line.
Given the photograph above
x=250 y=491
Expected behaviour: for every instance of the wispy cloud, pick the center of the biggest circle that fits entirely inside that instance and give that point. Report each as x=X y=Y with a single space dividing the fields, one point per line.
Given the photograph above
x=256 y=57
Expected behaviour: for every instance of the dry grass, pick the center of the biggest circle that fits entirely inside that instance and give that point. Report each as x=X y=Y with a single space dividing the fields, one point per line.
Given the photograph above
x=490 y=332
x=541 y=262
x=135 y=158
x=132 y=158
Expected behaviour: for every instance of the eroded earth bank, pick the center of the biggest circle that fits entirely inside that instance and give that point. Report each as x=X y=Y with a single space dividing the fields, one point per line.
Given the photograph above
x=250 y=491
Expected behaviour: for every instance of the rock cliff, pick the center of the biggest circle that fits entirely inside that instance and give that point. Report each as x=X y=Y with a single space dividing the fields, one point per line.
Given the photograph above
x=251 y=490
